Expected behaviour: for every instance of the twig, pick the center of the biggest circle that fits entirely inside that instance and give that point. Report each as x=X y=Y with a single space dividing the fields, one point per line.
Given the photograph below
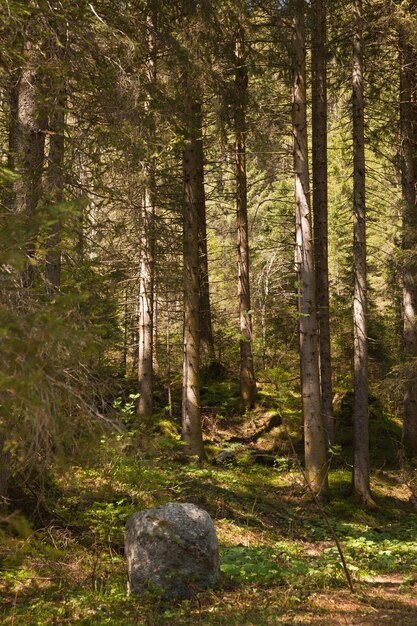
x=324 y=516
x=96 y=14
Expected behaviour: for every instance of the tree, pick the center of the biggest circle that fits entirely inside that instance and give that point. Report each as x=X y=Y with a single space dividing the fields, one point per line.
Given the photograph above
x=147 y=241
x=206 y=328
x=320 y=207
x=29 y=144
x=191 y=424
x=247 y=373
x=408 y=131
x=314 y=436
x=54 y=179
x=361 y=487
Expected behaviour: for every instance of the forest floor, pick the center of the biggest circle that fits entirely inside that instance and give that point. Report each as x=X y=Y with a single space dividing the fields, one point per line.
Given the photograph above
x=279 y=561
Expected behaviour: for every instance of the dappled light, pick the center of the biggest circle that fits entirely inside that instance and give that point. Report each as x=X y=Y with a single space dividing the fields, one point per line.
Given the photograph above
x=208 y=300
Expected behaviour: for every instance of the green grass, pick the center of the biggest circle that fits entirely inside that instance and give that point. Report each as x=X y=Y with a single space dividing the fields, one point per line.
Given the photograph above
x=276 y=551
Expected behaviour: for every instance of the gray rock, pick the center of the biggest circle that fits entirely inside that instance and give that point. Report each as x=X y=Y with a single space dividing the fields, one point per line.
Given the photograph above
x=172 y=548
x=224 y=457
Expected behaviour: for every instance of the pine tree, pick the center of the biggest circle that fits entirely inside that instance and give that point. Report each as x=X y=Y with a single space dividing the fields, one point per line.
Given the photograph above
x=29 y=144
x=314 y=435
x=320 y=207
x=247 y=373
x=147 y=239
x=361 y=487
x=408 y=129
x=191 y=423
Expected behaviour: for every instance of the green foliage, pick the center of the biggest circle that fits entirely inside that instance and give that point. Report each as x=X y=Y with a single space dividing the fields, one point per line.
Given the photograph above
x=51 y=347
x=126 y=409
x=224 y=396
x=7 y=176
x=250 y=565
x=68 y=410
x=272 y=543
x=384 y=428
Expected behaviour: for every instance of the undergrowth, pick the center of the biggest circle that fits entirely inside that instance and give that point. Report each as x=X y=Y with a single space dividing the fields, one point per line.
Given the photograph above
x=276 y=550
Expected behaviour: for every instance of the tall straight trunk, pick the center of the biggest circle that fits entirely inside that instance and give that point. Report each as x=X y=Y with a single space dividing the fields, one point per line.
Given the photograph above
x=135 y=336
x=314 y=435
x=146 y=287
x=320 y=207
x=147 y=250
x=206 y=328
x=9 y=204
x=80 y=235
x=155 y=355
x=54 y=185
x=29 y=156
x=247 y=373
x=408 y=124
x=168 y=355
x=361 y=487
x=191 y=422
x=54 y=180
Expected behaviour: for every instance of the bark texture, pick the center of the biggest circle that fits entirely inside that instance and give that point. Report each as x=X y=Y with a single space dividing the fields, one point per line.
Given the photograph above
x=408 y=125
x=29 y=152
x=147 y=249
x=206 y=328
x=314 y=435
x=54 y=186
x=191 y=424
x=247 y=373
x=146 y=304
x=56 y=102
x=361 y=487
x=320 y=208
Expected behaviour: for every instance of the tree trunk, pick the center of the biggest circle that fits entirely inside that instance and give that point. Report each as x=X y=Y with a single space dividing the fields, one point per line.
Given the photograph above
x=168 y=356
x=9 y=203
x=320 y=208
x=146 y=280
x=206 y=329
x=29 y=155
x=408 y=125
x=247 y=373
x=314 y=435
x=55 y=187
x=147 y=245
x=361 y=486
x=135 y=337
x=191 y=423
x=155 y=354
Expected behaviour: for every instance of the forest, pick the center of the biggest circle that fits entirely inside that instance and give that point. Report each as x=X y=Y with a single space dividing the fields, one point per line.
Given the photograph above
x=208 y=295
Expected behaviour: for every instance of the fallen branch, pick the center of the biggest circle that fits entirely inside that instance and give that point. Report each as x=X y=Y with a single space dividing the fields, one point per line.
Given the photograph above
x=324 y=516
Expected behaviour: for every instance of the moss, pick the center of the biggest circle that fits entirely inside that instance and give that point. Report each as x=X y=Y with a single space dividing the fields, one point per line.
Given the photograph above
x=276 y=548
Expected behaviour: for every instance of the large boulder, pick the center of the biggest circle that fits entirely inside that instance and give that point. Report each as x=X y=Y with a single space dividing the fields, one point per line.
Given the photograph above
x=172 y=548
